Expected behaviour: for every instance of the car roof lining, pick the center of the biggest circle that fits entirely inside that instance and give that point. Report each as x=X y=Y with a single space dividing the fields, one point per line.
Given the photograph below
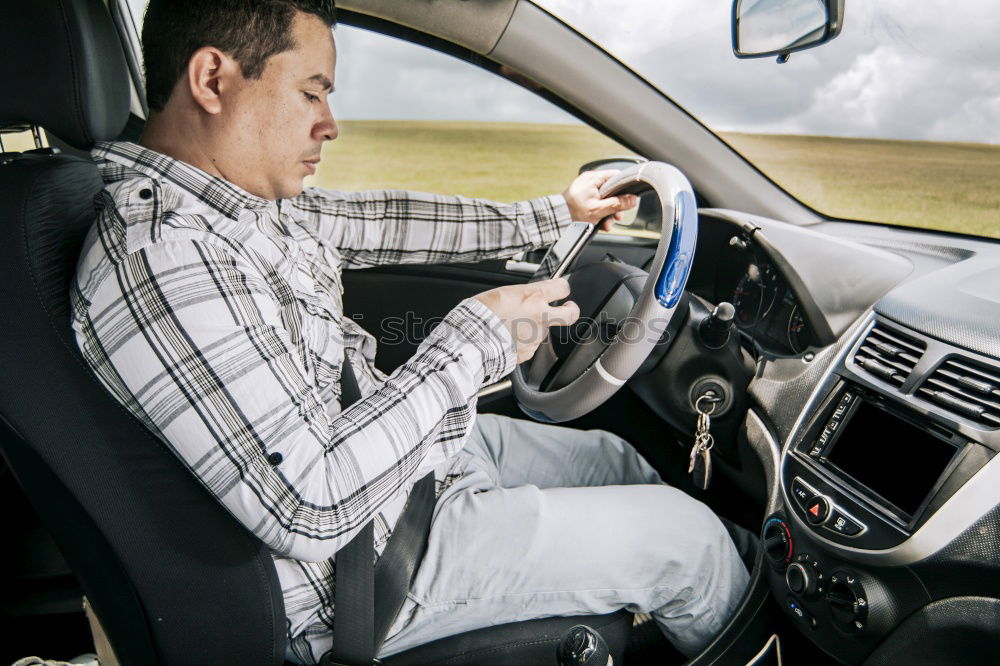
x=474 y=24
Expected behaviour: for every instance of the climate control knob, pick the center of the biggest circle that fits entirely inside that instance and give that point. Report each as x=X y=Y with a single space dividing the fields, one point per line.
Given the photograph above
x=776 y=538
x=848 y=602
x=801 y=579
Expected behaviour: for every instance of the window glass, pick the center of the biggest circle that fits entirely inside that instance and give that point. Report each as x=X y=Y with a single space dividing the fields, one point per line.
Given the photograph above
x=896 y=120
x=138 y=9
x=413 y=118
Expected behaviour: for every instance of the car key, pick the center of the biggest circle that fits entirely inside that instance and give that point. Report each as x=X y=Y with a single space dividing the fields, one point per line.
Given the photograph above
x=700 y=462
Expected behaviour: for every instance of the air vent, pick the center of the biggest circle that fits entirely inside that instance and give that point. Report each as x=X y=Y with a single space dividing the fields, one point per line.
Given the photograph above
x=966 y=388
x=889 y=355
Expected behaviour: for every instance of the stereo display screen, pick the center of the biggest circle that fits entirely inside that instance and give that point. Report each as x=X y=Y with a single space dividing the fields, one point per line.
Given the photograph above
x=893 y=457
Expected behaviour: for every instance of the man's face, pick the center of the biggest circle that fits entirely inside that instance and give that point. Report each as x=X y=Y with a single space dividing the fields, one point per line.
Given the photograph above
x=279 y=122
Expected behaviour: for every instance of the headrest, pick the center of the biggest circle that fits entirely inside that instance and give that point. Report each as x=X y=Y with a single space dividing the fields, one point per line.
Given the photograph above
x=63 y=69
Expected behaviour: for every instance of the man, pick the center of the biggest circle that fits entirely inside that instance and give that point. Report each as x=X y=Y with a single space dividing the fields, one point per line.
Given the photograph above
x=208 y=301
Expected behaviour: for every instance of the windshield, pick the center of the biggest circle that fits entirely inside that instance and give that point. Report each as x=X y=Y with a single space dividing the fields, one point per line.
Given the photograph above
x=897 y=120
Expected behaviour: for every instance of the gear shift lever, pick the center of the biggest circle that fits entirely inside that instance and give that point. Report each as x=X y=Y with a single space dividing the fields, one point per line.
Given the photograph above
x=717 y=327
x=582 y=646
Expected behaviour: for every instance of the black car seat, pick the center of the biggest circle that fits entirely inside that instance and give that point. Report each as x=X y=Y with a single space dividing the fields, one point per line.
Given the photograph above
x=173 y=578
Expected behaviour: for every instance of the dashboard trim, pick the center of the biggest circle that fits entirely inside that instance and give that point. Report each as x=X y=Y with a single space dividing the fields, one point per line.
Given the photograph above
x=774 y=456
x=831 y=301
x=859 y=330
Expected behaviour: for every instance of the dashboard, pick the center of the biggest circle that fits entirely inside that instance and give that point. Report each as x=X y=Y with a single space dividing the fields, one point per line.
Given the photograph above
x=791 y=291
x=875 y=410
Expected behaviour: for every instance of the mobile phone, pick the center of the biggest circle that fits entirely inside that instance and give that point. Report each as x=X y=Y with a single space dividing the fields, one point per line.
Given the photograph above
x=561 y=255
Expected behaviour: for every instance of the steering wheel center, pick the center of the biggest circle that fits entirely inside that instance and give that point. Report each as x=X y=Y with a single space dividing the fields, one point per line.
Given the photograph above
x=607 y=293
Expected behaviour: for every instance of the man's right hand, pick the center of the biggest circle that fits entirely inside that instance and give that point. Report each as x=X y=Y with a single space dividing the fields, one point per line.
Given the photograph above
x=525 y=309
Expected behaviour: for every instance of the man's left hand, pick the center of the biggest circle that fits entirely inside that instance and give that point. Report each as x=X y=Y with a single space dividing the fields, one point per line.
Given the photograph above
x=586 y=205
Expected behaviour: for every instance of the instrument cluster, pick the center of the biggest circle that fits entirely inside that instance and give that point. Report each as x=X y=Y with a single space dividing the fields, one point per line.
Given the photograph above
x=767 y=312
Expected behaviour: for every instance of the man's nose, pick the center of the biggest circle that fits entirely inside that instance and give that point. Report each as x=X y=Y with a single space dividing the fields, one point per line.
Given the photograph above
x=327 y=129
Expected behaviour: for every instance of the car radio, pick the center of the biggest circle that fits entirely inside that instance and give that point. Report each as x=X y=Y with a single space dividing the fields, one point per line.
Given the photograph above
x=867 y=471
x=892 y=456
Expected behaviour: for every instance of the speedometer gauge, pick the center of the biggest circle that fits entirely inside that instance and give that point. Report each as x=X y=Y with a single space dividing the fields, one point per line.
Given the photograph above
x=755 y=294
x=798 y=331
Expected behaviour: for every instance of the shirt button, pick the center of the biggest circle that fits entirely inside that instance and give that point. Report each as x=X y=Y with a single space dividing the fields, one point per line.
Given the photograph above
x=145 y=193
x=275 y=458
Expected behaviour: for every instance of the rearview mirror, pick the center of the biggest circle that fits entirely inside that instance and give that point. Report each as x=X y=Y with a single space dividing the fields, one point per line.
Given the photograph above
x=764 y=28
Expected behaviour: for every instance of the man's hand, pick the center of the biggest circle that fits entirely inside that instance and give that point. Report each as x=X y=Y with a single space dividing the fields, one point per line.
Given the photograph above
x=525 y=309
x=586 y=205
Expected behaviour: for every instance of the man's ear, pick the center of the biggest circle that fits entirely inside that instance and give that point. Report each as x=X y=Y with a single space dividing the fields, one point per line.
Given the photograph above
x=207 y=74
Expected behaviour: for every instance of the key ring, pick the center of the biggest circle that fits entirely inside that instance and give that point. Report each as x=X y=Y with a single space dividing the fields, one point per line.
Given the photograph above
x=707 y=443
x=712 y=401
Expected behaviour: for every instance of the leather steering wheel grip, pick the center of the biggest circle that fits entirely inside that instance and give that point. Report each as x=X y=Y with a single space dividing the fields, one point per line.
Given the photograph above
x=652 y=312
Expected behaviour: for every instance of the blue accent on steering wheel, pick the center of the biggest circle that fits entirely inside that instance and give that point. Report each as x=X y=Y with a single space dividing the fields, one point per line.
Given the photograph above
x=680 y=254
x=538 y=416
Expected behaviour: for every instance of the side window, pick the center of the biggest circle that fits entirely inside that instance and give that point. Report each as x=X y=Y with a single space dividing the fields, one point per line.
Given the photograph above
x=413 y=118
x=138 y=10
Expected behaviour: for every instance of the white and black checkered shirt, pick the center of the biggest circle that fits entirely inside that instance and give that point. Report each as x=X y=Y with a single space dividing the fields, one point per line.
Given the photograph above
x=216 y=317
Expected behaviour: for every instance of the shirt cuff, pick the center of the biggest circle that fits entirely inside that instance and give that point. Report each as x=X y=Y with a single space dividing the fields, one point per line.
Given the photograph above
x=549 y=216
x=474 y=323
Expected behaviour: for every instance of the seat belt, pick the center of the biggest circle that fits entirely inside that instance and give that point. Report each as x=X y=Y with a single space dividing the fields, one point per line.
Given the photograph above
x=407 y=545
x=354 y=591
x=368 y=598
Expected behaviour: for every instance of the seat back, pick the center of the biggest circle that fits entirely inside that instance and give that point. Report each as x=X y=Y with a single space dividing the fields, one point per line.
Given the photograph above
x=172 y=576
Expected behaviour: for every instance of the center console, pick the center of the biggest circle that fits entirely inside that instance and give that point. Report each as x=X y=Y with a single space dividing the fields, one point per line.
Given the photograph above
x=877 y=477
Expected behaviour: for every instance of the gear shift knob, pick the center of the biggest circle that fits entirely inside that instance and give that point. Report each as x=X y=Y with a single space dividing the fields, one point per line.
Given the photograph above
x=582 y=646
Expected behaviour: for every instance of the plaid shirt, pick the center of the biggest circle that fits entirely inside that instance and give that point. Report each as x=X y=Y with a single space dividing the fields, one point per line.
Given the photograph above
x=216 y=318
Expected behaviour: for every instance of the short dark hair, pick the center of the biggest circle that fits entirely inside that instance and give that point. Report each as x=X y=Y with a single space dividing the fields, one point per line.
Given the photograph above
x=250 y=31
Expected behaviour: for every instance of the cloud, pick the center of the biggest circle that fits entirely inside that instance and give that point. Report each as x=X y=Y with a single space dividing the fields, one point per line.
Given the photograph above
x=899 y=69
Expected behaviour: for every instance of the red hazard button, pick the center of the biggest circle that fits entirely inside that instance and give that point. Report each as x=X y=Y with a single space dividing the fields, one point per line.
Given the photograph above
x=817 y=510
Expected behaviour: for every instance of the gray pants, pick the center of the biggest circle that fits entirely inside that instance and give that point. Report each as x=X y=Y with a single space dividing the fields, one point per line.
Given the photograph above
x=552 y=521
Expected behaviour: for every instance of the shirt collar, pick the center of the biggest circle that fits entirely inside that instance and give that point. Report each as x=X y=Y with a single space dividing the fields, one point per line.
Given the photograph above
x=215 y=192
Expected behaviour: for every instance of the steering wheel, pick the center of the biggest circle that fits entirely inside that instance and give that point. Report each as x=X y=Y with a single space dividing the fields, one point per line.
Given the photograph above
x=624 y=311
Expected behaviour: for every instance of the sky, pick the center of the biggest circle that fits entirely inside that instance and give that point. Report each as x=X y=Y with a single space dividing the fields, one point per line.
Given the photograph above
x=379 y=77
x=900 y=69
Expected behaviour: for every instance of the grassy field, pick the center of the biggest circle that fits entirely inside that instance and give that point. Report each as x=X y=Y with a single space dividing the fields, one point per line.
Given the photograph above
x=502 y=161
x=954 y=186
x=949 y=186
